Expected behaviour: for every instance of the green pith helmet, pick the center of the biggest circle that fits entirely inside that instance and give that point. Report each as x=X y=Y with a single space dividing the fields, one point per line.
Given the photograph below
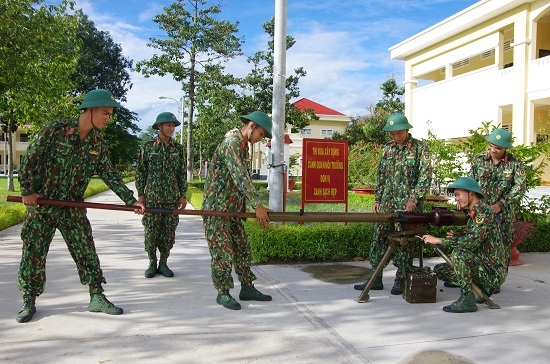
x=500 y=137
x=98 y=98
x=261 y=119
x=165 y=117
x=397 y=122
x=465 y=183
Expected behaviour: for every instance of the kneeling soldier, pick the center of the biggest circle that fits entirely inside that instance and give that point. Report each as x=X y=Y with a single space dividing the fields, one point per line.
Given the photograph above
x=478 y=256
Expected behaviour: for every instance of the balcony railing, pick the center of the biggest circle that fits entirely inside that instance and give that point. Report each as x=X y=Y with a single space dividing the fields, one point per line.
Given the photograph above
x=539 y=74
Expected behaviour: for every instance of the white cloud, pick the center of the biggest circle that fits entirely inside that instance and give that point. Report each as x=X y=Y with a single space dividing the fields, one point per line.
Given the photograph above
x=342 y=45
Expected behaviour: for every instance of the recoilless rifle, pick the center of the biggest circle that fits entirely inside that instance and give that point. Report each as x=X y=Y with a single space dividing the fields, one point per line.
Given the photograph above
x=409 y=226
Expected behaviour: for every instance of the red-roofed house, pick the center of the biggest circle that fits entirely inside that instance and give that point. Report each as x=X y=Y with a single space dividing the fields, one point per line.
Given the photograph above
x=330 y=121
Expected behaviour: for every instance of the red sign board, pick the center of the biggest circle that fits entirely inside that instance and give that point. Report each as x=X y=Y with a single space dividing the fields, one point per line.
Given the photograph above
x=324 y=171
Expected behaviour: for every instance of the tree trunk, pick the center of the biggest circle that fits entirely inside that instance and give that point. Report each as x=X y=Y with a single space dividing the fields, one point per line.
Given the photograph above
x=11 y=166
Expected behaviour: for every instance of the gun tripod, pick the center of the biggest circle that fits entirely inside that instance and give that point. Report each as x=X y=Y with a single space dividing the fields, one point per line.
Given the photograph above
x=402 y=238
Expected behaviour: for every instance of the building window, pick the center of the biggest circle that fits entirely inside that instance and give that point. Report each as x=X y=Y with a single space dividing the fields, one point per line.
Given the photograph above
x=305 y=131
x=507 y=45
x=462 y=63
x=326 y=132
x=24 y=138
x=488 y=54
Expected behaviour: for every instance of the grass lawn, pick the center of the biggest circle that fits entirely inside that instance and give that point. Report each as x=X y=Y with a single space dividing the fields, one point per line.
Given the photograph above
x=13 y=213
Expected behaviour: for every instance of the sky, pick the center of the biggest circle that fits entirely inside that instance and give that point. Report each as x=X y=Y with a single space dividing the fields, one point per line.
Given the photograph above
x=342 y=45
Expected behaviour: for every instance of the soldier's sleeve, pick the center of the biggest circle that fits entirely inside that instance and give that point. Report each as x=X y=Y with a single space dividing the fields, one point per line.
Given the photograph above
x=381 y=171
x=141 y=171
x=518 y=189
x=424 y=173
x=30 y=175
x=112 y=177
x=182 y=174
x=239 y=173
x=478 y=230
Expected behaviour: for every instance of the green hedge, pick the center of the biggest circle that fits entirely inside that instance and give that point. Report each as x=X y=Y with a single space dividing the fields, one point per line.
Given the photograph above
x=538 y=241
x=308 y=242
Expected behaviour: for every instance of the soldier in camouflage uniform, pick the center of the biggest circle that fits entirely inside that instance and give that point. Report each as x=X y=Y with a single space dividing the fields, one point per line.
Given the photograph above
x=478 y=256
x=161 y=183
x=228 y=188
x=501 y=177
x=403 y=179
x=58 y=164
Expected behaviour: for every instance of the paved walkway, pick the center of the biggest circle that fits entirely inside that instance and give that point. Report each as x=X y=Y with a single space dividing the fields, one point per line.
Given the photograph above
x=310 y=320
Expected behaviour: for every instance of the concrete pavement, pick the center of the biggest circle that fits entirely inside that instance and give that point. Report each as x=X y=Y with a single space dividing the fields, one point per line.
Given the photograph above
x=313 y=317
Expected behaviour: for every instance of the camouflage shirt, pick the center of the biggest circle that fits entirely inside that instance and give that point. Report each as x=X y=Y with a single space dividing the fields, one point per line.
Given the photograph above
x=502 y=183
x=403 y=173
x=228 y=183
x=482 y=237
x=160 y=172
x=58 y=165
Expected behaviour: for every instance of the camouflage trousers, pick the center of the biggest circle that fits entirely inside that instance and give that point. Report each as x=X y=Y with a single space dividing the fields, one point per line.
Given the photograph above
x=402 y=256
x=229 y=246
x=160 y=232
x=37 y=233
x=506 y=224
x=468 y=269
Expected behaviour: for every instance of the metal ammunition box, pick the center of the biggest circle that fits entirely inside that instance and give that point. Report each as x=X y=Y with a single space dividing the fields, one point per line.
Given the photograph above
x=420 y=287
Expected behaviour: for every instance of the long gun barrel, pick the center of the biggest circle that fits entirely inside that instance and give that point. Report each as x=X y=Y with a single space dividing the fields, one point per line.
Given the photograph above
x=440 y=216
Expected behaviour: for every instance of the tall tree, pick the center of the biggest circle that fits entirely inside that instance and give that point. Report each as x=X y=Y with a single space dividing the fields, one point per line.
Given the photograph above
x=390 y=103
x=38 y=52
x=102 y=65
x=216 y=112
x=368 y=128
x=194 y=38
x=258 y=84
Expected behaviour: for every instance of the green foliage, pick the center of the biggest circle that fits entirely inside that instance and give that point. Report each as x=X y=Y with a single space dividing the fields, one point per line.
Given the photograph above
x=10 y=213
x=445 y=161
x=13 y=213
x=38 y=53
x=194 y=195
x=535 y=210
x=308 y=242
x=369 y=128
x=538 y=241
x=257 y=85
x=293 y=164
x=97 y=185
x=194 y=37
x=102 y=65
x=476 y=143
x=363 y=165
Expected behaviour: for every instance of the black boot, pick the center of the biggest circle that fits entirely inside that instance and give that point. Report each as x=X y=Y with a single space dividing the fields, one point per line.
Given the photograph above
x=28 y=309
x=466 y=303
x=377 y=285
x=164 y=270
x=397 y=286
x=250 y=293
x=100 y=303
x=152 y=269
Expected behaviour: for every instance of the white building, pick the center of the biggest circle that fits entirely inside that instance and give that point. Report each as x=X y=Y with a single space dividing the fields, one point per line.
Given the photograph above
x=489 y=62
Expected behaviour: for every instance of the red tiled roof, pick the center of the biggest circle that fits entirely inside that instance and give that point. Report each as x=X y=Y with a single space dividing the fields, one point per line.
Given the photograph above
x=287 y=141
x=319 y=109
